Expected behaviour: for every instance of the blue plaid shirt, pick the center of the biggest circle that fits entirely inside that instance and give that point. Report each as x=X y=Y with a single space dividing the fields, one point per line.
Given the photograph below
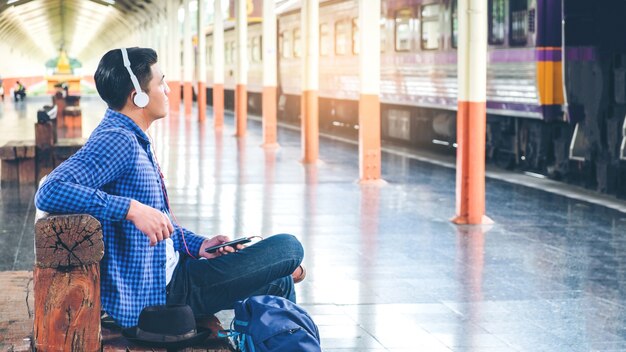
x=113 y=167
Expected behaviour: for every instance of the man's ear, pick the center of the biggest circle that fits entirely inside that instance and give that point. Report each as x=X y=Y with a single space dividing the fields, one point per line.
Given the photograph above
x=129 y=99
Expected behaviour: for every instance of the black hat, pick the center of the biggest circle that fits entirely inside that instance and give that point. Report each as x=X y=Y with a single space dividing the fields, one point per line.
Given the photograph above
x=172 y=326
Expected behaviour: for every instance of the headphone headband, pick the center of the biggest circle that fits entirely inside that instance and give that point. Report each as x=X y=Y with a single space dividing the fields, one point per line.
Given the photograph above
x=140 y=99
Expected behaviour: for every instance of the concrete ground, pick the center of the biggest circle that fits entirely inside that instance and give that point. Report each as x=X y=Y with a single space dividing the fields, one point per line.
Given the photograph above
x=387 y=271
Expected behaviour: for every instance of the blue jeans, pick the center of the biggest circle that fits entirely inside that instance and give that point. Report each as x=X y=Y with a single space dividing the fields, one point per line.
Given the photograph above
x=264 y=268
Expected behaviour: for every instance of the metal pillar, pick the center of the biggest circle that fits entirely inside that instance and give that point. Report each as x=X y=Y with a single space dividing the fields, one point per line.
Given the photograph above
x=369 y=101
x=310 y=81
x=269 y=74
x=201 y=62
x=187 y=60
x=218 y=66
x=471 y=116
x=241 y=76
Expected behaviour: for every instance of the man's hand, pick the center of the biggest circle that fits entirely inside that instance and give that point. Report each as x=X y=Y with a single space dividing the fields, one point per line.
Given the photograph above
x=153 y=223
x=217 y=240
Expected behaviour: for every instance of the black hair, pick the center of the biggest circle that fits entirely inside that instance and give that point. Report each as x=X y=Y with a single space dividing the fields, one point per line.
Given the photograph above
x=113 y=80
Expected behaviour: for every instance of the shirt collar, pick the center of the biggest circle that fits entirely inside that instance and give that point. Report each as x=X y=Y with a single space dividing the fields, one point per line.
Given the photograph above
x=119 y=119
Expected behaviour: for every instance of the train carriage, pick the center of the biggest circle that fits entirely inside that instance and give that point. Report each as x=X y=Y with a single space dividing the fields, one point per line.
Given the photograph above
x=540 y=101
x=419 y=68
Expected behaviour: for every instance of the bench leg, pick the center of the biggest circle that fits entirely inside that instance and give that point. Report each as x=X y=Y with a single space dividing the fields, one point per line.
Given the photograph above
x=10 y=171
x=56 y=294
x=26 y=171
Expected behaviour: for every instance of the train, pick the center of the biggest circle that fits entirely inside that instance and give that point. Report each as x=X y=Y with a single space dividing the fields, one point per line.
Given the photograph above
x=556 y=81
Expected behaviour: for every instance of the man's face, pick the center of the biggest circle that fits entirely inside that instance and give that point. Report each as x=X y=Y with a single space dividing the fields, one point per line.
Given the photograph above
x=159 y=104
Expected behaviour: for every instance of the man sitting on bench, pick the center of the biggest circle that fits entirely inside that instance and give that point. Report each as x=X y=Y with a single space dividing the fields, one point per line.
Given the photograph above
x=19 y=92
x=148 y=258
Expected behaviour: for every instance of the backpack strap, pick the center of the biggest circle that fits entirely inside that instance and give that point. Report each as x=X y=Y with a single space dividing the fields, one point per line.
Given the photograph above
x=242 y=341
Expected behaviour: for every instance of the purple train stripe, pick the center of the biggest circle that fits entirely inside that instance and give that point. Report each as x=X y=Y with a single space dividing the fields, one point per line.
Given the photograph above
x=581 y=53
x=553 y=112
x=512 y=55
x=548 y=54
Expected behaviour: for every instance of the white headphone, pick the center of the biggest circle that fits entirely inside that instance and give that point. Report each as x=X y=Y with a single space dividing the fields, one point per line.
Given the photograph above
x=140 y=99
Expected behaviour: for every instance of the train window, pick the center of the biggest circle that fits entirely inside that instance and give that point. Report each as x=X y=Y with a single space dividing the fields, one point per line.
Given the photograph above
x=297 y=43
x=233 y=52
x=356 y=40
x=496 y=21
x=403 y=30
x=286 y=47
x=256 y=49
x=454 y=39
x=325 y=40
x=519 y=22
x=209 y=54
x=430 y=27
x=342 y=37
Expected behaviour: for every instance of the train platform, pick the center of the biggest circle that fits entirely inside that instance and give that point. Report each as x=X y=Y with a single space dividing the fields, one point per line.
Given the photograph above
x=387 y=270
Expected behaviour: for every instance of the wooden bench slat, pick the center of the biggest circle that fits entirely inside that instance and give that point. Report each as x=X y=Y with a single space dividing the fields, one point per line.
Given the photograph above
x=113 y=341
x=18 y=162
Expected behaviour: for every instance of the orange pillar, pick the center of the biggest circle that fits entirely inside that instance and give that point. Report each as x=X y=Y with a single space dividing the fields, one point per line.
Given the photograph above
x=201 y=101
x=241 y=109
x=369 y=102
x=471 y=116
x=310 y=81
x=187 y=61
x=241 y=94
x=270 y=77
x=173 y=53
x=218 y=66
x=174 y=96
x=269 y=117
x=369 y=138
x=310 y=126
x=218 y=105
x=201 y=62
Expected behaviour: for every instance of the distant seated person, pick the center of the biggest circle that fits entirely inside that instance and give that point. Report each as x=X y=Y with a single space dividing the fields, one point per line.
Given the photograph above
x=19 y=92
x=61 y=89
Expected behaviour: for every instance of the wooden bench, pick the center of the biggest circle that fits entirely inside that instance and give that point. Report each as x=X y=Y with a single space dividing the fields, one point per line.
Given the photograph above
x=51 y=152
x=45 y=139
x=68 y=250
x=72 y=119
x=66 y=277
x=18 y=162
x=113 y=341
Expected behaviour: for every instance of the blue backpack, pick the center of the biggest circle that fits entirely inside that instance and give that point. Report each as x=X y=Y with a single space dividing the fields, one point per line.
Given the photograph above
x=273 y=324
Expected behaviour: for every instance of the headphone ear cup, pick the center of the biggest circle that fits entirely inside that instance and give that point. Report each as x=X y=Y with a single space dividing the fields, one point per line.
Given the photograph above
x=141 y=99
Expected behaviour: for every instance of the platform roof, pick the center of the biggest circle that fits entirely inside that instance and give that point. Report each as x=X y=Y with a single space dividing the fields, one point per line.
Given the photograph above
x=82 y=27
